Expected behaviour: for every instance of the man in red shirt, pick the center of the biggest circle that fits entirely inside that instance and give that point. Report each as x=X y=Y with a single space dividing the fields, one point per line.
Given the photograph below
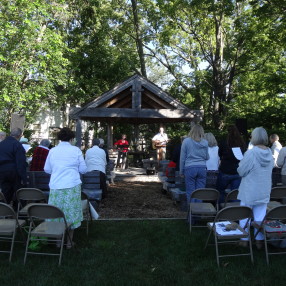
x=122 y=146
x=40 y=155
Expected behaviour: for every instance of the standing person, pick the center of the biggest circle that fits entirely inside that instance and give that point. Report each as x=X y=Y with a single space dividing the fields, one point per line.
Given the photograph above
x=2 y=135
x=64 y=163
x=122 y=146
x=13 y=164
x=40 y=155
x=194 y=154
x=213 y=161
x=255 y=187
x=281 y=163
x=275 y=147
x=95 y=159
x=228 y=175
x=160 y=141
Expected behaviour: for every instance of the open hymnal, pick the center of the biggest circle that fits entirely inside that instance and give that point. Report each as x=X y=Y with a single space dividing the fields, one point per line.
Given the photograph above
x=222 y=230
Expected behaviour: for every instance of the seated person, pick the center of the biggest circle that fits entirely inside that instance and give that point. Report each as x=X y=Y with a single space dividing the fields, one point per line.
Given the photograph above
x=95 y=159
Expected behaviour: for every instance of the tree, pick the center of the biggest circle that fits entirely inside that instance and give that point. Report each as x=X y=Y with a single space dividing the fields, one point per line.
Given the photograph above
x=219 y=43
x=32 y=62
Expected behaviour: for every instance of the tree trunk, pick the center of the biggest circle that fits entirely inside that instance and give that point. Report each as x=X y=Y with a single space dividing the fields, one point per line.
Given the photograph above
x=139 y=42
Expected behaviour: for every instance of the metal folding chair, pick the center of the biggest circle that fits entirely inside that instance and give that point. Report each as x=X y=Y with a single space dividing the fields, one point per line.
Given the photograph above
x=277 y=197
x=231 y=215
x=27 y=196
x=8 y=226
x=275 y=234
x=231 y=199
x=52 y=231
x=206 y=210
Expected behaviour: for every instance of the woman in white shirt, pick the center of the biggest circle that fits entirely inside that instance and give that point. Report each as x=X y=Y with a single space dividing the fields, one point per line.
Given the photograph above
x=213 y=161
x=64 y=163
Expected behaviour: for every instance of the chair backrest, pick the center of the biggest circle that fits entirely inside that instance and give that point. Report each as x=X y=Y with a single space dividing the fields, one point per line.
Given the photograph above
x=278 y=213
x=7 y=211
x=278 y=193
x=2 y=198
x=206 y=194
x=45 y=211
x=234 y=213
x=30 y=194
x=232 y=195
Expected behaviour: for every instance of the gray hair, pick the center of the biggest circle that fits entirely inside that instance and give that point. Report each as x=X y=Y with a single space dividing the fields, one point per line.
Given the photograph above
x=259 y=136
x=211 y=139
x=101 y=141
x=45 y=142
x=16 y=132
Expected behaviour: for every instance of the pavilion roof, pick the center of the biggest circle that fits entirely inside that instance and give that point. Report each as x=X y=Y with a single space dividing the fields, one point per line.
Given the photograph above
x=136 y=100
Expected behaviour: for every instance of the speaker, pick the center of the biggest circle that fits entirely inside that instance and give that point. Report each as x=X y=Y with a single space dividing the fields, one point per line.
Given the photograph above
x=241 y=124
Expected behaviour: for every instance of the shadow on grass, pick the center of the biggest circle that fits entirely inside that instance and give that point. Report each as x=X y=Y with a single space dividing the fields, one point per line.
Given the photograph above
x=140 y=253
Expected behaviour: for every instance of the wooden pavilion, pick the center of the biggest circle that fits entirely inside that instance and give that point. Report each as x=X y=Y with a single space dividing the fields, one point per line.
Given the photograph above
x=136 y=101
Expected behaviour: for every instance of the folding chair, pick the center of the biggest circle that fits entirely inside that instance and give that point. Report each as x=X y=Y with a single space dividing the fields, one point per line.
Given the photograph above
x=276 y=233
x=27 y=196
x=277 y=197
x=2 y=198
x=53 y=231
x=207 y=209
x=230 y=215
x=86 y=210
x=231 y=199
x=8 y=226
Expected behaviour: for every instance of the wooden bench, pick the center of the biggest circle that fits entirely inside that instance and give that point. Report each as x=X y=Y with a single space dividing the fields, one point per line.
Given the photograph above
x=90 y=183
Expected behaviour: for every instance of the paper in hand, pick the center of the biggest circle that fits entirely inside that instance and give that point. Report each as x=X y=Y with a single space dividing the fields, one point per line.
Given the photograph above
x=237 y=153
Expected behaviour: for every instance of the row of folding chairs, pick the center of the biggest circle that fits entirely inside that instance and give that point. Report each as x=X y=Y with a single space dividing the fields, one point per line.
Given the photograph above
x=39 y=227
x=40 y=216
x=206 y=208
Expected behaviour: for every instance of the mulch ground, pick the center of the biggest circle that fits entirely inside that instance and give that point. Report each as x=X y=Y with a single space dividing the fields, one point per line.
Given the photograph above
x=138 y=200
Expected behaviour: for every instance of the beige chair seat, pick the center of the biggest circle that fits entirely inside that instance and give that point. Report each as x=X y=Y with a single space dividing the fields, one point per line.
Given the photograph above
x=203 y=208
x=50 y=229
x=7 y=226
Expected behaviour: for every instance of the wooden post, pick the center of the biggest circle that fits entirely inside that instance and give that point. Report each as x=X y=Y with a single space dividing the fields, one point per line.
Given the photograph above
x=136 y=136
x=78 y=133
x=109 y=136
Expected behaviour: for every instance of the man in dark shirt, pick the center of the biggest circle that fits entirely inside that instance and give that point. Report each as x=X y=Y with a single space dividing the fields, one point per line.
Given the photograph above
x=13 y=164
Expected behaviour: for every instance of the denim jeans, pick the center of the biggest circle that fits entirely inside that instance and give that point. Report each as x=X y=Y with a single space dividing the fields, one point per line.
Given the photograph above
x=225 y=180
x=195 y=178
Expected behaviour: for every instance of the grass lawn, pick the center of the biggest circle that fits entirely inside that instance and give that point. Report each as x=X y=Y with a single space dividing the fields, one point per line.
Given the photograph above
x=140 y=253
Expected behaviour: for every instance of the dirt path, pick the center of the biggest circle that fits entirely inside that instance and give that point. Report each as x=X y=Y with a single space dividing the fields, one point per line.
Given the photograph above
x=138 y=200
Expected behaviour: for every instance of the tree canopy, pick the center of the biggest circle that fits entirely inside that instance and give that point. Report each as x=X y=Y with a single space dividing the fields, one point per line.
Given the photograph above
x=224 y=56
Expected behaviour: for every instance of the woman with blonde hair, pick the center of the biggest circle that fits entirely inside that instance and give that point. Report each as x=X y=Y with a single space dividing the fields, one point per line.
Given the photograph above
x=213 y=161
x=194 y=154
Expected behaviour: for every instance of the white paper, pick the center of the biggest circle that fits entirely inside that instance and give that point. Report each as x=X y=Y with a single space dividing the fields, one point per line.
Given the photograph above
x=237 y=153
x=93 y=212
x=221 y=228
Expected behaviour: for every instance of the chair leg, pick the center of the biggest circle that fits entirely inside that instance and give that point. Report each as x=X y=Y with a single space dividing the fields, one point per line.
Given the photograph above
x=61 y=250
x=27 y=244
x=216 y=251
x=12 y=246
x=207 y=242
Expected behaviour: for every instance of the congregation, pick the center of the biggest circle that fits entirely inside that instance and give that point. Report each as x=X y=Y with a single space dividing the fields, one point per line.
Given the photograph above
x=247 y=168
